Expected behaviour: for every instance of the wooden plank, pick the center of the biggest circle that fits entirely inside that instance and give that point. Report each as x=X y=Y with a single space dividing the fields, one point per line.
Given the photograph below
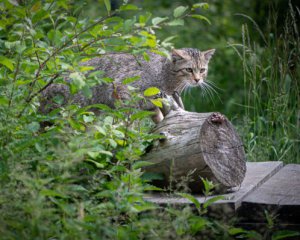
x=279 y=196
x=282 y=189
x=257 y=173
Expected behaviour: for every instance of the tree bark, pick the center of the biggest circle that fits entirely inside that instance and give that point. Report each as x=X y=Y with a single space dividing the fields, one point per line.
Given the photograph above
x=199 y=145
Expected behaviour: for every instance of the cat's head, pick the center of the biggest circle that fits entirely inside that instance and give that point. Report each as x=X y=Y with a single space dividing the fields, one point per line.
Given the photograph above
x=190 y=66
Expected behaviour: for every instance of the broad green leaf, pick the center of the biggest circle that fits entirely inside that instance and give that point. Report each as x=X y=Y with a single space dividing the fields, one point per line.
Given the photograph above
x=118 y=133
x=100 y=106
x=201 y=17
x=108 y=6
x=203 y=5
x=284 y=234
x=144 y=207
x=97 y=165
x=191 y=198
x=112 y=143
x=158 y=20
x=146 y=56
x=100 y=130
x=176 y=22
x=140 y=115
x=212 y=200
x=197 y=223
x=78 y=80
x=105 y=153
x=140 y=164
x=130 y=79
x=234 y=231
x=36 y=6
x=3 y=101
x=157 y=102
x=179 y=11
x=86 y=68
x=152 y=188
x=93 y=155
x=151 y=91
x=59 y=99
x=128 y=7
x=52 y=193
x=33 y=127
x=7 y=62
x=87 y=91
x=121 y=142
x=88 y=118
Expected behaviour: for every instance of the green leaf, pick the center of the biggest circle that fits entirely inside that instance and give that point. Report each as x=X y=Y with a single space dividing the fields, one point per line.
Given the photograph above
x=179 y=11
x=100 y=130
x=33 y=127
x=130 y=79
x=157 y=102
x=235 y=231
x=78 y=80
x=4 y=101
x=284 y=234
x=158 y=20
x=128 y=7
x=201 y=17
x=88 y=118
x=191 y=198
x=97 y=165
x=7 y=62
x=140 y=115
x=197 y=224
x=93 y=155
x=200 y=5
x=176 y=22
x=146 y=56
x=87 y=91
x=212 y=200
x=105 y=153
x=140 y=164
x=118 y=133
x=108 y=6
x=151 y=91
x=52 y=193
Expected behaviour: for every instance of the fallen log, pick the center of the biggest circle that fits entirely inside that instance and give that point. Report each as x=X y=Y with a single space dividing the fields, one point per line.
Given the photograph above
x=199 y=145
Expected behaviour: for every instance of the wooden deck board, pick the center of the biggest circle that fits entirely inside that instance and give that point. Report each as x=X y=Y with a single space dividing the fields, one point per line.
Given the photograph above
x=282 y=189
x=257 y=173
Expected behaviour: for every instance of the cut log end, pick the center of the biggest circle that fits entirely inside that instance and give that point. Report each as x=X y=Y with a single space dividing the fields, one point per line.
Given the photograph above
x=222 y=150
x=199 y=145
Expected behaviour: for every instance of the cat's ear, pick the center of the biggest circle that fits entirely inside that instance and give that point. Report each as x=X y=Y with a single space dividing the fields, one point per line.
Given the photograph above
x=208 y=54
x=178 y=54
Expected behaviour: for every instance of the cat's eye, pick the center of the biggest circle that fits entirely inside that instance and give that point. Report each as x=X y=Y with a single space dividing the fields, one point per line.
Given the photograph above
x=202 y=70
x=189 y=70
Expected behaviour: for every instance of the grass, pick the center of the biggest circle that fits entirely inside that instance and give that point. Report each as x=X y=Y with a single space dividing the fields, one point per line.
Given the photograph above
x=270 y=128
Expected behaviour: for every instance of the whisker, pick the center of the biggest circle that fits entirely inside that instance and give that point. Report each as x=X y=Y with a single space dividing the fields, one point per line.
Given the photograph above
x=214 y=85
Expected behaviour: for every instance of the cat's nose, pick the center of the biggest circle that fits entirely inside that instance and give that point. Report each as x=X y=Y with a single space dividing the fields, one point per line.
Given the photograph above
x=197 y=80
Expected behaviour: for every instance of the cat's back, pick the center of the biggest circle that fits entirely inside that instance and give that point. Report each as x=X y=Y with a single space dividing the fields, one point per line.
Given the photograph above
x=119 y=66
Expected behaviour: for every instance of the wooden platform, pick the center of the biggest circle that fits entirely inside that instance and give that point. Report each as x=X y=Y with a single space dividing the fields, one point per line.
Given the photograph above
x=267 y=186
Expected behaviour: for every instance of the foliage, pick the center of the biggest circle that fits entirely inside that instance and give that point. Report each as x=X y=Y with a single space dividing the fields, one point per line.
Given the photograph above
x=80 y=177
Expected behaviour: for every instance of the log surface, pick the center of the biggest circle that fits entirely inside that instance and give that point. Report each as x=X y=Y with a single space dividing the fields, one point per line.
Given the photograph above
x=200 y=145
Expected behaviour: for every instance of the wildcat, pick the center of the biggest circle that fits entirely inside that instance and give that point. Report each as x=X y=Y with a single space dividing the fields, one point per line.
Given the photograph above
x=188 y=67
